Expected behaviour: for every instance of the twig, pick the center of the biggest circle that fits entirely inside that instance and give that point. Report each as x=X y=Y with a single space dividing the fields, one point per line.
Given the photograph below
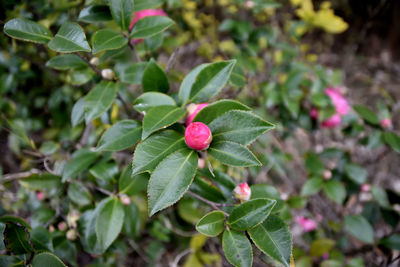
x=125 y=106
x=47 y=167
x=98 y=72
x=86 y=134
x=138 y=250
x=19 y=175
x=133 y=48
x=104 y=191
x=211 y=203
x=172 y=60
x=180 y=256
x=177 y=231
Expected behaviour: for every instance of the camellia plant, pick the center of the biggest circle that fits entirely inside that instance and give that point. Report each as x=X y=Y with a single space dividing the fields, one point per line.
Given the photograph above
x=182 y=140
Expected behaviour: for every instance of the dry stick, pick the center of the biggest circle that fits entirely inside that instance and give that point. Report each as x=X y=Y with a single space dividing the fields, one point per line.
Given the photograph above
x=180 y=256
x=172 y=60
x=19 y=175
x=211 y=203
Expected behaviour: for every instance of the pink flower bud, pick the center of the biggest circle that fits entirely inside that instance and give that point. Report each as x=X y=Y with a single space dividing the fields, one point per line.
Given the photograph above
x=306 y=223
x=40 y=195
x=242 y=192
x=365 y=188
x=125 y=200
x=201 y=164
x=341 y=104
x=249 y=4
x=314 y=113
x=386 y=123
x=192 y=110
x=62 y=226
x=198 y=136
x=142 y=14
x=327 y=174
x=332 y=121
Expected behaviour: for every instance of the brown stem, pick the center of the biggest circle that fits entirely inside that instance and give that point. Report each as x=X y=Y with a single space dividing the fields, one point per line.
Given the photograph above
x=98 y=72
x=210 y=203
x=134 y=51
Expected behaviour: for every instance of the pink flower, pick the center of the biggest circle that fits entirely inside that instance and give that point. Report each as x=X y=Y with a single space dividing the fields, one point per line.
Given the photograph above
x=40 y=195
x=142 y=14
x=332 y=121
x=198 y=136
x=365 y=188
x=242 y=192
x=192 y=110
x=314 y=113
x=386 y=123
x=306 y=223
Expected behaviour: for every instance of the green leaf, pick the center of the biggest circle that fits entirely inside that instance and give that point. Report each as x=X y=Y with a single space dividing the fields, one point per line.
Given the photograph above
x=121 y=11
x=155 y=148
x=47 y=259
x=356 y=173
x=217 y=109
x=66 y=62
x=104 y=171
x=95 y=13
x=392 y=241
x=109 y=222
x=42 y=181
x=133 y=74
x=131 y=185
x=171 y=179
x=152 y=99
x=16 y=220
x=273 y=238
x=41 y=239
x=69 y=38
x=146 y=4
x=80 y=76
x=150 y=26
x=237 y=248
x=393 y=140
x=16 y=239
x=78 y=112
x=79 y=194
x=106 y=39
x=380 y=196
x=267 y=191
x=160 y=117
x=211 y=80
x=122 y=135
x=321 y=246
x=335 y=191
x=27 y=30
x=238 y=126
x=99 y=100
x=359 y=227
x=314 y=165
x=81 y=160
x=250 y=213
x=367 y=114
x=312 y=186
x=207 y=189
x=233 y=154
x=187 y=83
x=154 y=78
x=132 y=220
x=212 y=224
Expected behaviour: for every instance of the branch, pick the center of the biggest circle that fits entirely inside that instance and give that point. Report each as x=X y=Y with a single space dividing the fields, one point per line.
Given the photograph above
x=134 y=51
x=19 y=175
x=98 y=72
x=210 y=203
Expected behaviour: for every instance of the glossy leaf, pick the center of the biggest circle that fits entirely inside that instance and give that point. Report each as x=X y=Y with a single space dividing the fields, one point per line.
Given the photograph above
x=160 y=117
x=146 y=4
x=66 y=62
x=27 y=30
x=274 y=239
x=133 y=74
x=321 y=246
x=41 y=239
x=392 y=241
x=150 y=26
x=47 y=259
x=360 y=228
x=16 y=239
x=393 y=140
x=79 y=194
x=121 y=11
x=211 y=80
x=380 y=196
x=99 y=100
x=152 y=99
x=154 y=78
x=250 y=213
x=154 y=149
x=335 y=191
x=16 y=220
x=217 y=109
x=356 y=173
x=122 y=135
x=106 y=39
x=238 y=126
x=69 y=38
x=131 y=225
x=109 y=222
x=187 y=83
x=237 y=248
x=78 y=112
x=212 y=224
x=267 y=191
x=80 y=161
x=367 y=114
x=131 y=185
x=233 y=154
x=95 y=13
x=171 y=179
x=312 y=186
x=42 y=181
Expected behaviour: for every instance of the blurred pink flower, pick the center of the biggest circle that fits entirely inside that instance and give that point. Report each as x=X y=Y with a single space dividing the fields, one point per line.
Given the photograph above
x=365 y=188
x=40 y=195
x=386 y=123
x=142 y=14
x=306 y=223
x=325 y=256
x=242 y=192
x=332 y=121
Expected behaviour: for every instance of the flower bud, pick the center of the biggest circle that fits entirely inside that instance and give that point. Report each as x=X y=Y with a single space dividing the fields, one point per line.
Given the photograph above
x=107 y=74
x=249 y=4
x=51 y=229
x=365 y=188
x=40 y=195
x=306 y=223
x=94 y=61
x=386 y=123
x=72 y=218
x=242 y=192
x=71 y=235
x=201 y=164
x=62 y=226
x=198 y=136
x=327 y=174
x=125 y=200
x=192 y=110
